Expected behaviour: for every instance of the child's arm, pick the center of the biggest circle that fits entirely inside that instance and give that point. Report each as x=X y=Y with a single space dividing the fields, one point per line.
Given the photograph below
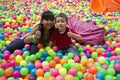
x=33 y=35
x=74 y=35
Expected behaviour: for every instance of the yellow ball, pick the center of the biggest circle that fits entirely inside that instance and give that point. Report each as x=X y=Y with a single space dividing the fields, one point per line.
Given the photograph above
x=101 y=60
x=23 y=63
x=58 y=66
x=18 y=58
x=63 y=71
x=45 y=63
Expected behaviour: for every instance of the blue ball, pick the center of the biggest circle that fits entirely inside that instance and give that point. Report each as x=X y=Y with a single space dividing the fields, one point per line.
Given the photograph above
x=100 y=76
x=96 y=46
x=33 y=72
x=59 y=54
x=30 y=66
x=1 y=56
x=88 y=55
x=18 y=67
x=45 y=54
x=42 y=59
x=24 y=49
x=108 y=54
x=3 y=50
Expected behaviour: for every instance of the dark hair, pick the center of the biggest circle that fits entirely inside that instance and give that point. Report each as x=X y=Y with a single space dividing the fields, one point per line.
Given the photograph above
x=47 y=15
x=63 y=15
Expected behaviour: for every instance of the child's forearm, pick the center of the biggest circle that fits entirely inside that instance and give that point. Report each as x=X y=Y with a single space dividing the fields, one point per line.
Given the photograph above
x=76 y=36
x=29 y=39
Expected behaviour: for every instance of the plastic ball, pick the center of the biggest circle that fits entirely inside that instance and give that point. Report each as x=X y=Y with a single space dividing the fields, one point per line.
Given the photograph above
x=1 y=71
x=69 y=77
x=24 y=71
x=16 y=74
x=47 y=74
x=94 y=55
x=32 y=78
x=39 y=72
x=59 y=78
x=59 y=54
x=13 y=63
x=8 y=72
x=57 y=59
x=70 y=55
x=111 y=71
x=26 y=53
x=117 y=66
x=10 y=78
x=40 y=46
x=19 y=58
x=45 y=54
x=55 y=48
x=48 y=58
x=109 y=77
x=27 y=46
x=72 y=71
x=33 y=72
x=117 y=50
x=23 y=63
x=66 y=66
x=46 y=68
x=89 y=77
x=80 y=74
x=63 y=61
x=101 y=60
x=62 y=70
x=30 y=66
x=100 y=76
x=52 y=63
x=5 y=65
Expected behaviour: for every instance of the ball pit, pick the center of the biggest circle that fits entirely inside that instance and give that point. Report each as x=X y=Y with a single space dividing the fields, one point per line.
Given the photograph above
x=96 y=62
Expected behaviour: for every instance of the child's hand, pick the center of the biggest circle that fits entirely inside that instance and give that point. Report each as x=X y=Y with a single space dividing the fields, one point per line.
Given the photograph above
x=37 y=34
x=69 y=34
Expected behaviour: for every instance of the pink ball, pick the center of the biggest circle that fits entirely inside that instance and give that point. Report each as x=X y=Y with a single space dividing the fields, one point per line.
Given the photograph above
x=54 y=72
x=46 y=68
x=105 y=67
x=103 y=54
x=38 y=65
x=13 y=63
x=72 y=71
x=117 y=67
x=16 y=74
x=113 y=53
x=118 y=57
x=27 y=46
x=5 y=65
x=76 y=59
x=18 y=52
x=73 y=41
x=113 y=58
x=59 y=78
x=55 y=48
x=6 y=55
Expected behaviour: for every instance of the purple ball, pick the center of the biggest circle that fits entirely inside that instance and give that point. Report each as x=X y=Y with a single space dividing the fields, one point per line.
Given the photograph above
x=32 y=78
x=16 y=74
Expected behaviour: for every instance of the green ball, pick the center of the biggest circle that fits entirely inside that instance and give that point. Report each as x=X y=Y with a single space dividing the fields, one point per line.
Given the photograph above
x=70 y=55
x=24 y=71
x=10 y=78
x=32 y=57
x=80 y=50
x=66 y=58
x=94 y=55
x=103 y=71
x=118 y=77
x=1 y=71
x=53 y=54
x=26 y=53
x=48 y=58
x=117 y=50
x=38 y=55
x=111 y=71
x=66 y=66
x=47 y=75
x=27 y=58
x=76 y=78
x=80 y=74
x=109 y=77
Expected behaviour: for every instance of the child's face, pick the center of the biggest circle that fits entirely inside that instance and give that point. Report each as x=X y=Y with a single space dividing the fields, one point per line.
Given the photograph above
x=48 y=23
x=61 y=23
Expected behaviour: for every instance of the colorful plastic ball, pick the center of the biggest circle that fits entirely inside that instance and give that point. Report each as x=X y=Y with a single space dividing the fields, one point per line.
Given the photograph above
x=100 y=76
x=44 y=54
x=26 y=53
x=51 y=78
x=33 y=57
x=111 y=71
x=39 y=72
x=30 y=66
x=117 y=66
x=59 y=78
x=48 y=58
x=10 y=78
x=61 y=70
x=19 y=58
x=3 y=78
x=32 y=78
x=27 y=46
x=5 y=65
x=40 y=46
x=101 y=60
x=52 y=63
x=47 y=74
x=8 y=72
x=55 y=48
x=54 y=72
x=16 y=74
x=6 y=55
x=38 y=65
x=24 y=71
x=80 y=75
x=94 y=55
x=93 y=70
x=46 y=68
x=105 y=67
x=45 y=63
x=69 y=77
x=42 y=59
x=89 y=76
x=117 y=50
x=70 y=55
x=18 y=52
x=57 y=59
x=118 y=76
x=13 y=63
x=33 y=72
x=23 y=63
x=109 y=77
x=1 y=71
x=59 y=54
x=72 y=71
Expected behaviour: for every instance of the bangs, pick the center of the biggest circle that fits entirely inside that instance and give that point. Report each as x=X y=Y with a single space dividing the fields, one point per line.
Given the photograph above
x=48 y=15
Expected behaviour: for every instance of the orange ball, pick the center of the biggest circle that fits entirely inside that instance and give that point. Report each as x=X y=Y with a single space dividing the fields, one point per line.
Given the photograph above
x=39 y=72
x=90 y=60
x=82 y=69
x=52 y=63
x=89 y=76
x=69 y=77
x=92 y=49
x=93 y=69
x=51 y=78
x=12 y=58
x=84 y=62
x=57 y=59
x=99 y=50
x=8 y=72
x=27 y=76
x=63 y=61
x=40 y=46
